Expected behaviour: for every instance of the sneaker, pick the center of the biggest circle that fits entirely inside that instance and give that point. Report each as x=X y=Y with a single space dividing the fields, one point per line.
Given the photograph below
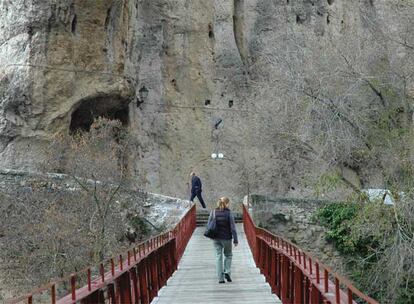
x=222 y=281
x=228 y=278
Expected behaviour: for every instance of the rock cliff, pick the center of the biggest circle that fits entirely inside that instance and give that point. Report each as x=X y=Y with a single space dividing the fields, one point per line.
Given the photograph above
x=298 y=84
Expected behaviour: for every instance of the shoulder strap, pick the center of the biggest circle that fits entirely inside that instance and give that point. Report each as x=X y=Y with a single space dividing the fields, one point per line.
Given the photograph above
x=213 y=212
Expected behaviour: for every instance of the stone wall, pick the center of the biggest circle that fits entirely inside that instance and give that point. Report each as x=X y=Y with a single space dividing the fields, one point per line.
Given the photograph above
x=293 y=219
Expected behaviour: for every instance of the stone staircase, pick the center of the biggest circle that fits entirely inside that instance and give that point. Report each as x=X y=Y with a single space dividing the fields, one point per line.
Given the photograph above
x=203 y=214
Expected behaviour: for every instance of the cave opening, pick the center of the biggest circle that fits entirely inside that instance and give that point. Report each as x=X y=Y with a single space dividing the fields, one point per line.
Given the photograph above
x=110 y=107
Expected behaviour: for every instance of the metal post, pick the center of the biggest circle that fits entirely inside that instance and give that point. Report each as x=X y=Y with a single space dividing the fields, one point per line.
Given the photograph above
x=298 y=286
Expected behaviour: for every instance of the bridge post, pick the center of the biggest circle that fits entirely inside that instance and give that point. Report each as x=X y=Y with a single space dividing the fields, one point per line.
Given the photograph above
x=266 y=261
x=174 y=254
x=314 y=294
x=278 y=274
x=298 y=286
x=111 y=293
x=153 y=275
x=135 y=287
x=143 y=284
x=273 y=261
x=269 y=262
x=169 y=260
x=261 y=255
x=285 y=280
x=291 y=280
x=123 y=288
x=160 y=265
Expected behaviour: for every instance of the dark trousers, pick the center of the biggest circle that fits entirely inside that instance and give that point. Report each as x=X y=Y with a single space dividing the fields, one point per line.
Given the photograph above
x=200 y=198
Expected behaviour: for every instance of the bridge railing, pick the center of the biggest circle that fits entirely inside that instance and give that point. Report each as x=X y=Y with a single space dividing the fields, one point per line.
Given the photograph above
x=293 y=274
x=134 y=277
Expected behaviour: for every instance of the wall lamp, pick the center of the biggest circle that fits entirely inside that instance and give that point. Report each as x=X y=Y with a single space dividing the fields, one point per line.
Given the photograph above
x=142 y=95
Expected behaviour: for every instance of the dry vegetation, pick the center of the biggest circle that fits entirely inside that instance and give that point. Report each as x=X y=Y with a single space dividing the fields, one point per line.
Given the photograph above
x=377 y=243
x=356 y=114
x=50 y=229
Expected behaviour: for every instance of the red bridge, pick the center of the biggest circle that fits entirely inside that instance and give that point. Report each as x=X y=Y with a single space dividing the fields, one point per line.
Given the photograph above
x=138 y=276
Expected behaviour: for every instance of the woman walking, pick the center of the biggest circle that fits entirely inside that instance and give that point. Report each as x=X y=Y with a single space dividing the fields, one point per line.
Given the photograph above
x=225 y=232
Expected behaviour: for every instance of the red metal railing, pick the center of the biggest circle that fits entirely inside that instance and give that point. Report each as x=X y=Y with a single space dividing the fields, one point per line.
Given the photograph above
x=135 y=277
x=294 y=276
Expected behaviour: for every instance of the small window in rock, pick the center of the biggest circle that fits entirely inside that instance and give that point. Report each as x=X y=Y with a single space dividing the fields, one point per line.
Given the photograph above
x=207 y=102
x=74 y=24
x=230 y=103
x=30 y=31
x=328 y=19
x=330 y=2
x=210 y=31
x=174 y=83
x=299 y=19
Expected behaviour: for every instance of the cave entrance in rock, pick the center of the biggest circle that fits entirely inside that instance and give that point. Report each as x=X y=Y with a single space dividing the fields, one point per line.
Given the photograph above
x=110 y=107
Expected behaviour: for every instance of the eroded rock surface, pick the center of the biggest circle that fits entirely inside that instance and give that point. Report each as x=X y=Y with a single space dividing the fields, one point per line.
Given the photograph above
x=294 y=83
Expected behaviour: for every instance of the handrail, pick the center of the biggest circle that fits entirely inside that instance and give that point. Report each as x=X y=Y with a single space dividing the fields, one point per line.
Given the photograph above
x=135 y=277
x=293 y=274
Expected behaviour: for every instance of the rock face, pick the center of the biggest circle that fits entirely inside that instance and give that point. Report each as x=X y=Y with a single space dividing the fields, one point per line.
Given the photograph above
x=289 y=80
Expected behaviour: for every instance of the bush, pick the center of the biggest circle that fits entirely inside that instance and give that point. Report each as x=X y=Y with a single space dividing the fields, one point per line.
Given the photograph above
x=377 y=243
x=338 y=217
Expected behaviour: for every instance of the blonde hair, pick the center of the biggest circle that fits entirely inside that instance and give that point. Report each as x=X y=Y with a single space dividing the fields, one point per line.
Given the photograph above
x=223 y=203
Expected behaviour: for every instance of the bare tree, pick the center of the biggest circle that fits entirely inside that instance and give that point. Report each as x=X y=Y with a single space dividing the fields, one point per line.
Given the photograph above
x=98 y=161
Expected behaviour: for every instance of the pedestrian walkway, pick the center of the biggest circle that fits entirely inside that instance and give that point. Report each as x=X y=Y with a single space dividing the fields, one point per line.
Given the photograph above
x=195 y=281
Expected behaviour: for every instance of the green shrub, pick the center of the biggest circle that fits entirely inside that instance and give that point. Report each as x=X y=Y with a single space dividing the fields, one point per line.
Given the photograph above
x=337 y=217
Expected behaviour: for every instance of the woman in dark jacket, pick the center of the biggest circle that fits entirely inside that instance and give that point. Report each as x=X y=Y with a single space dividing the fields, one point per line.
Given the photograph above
x=226 y=231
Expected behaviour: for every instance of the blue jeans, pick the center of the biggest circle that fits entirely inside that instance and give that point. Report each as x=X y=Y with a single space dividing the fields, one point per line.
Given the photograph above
x=223 y=247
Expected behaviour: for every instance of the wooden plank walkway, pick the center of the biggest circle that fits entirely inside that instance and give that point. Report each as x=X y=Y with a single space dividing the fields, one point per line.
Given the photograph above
x=195 y=281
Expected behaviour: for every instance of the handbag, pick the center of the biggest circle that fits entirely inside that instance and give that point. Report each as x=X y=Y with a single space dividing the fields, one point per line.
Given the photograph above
x=211 y=230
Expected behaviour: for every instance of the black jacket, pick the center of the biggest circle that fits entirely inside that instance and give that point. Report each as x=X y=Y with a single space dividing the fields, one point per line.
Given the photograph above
x=226 y=225
x=195 y=184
